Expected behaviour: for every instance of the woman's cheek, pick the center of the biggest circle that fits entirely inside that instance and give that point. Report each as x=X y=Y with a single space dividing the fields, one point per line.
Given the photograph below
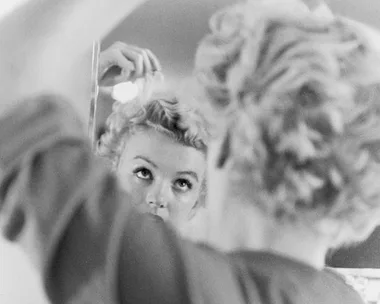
x=138 y=191
x=181 y=207
x=135 y=189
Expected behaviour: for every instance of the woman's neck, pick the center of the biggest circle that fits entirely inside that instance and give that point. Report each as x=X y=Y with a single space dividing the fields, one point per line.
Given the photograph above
x=305 y=247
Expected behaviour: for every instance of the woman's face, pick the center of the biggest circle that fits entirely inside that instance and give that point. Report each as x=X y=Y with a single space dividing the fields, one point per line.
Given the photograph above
x=163 y=174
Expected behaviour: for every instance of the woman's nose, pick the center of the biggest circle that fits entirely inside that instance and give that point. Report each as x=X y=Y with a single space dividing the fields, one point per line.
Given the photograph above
x=156 y=203
x=157 y=198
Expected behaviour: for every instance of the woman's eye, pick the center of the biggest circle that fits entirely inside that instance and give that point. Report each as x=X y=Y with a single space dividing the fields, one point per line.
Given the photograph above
x=183 y=184
x=143 y=173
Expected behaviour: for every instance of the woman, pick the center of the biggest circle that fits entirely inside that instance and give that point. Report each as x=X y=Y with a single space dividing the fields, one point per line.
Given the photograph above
x=158 y=149
x=157 y=146
x=293 y=169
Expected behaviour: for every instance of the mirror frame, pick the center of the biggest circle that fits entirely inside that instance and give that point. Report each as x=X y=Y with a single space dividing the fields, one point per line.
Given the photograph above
x=92 y=132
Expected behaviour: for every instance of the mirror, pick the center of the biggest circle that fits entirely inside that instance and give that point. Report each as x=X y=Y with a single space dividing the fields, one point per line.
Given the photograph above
x=92 y=127
x=172 y=29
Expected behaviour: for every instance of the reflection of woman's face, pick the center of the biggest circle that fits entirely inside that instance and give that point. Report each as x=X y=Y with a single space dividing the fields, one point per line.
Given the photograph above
x=162 y=173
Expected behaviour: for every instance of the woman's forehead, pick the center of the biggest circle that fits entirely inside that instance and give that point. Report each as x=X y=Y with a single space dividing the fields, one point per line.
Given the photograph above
x=163 y=151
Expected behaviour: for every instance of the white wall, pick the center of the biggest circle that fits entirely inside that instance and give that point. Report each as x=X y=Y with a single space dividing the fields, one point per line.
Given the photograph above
x=19 y=282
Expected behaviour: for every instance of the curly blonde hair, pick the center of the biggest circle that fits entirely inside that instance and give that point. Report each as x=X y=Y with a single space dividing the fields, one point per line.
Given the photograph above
x=300 y=98
x=166 y=115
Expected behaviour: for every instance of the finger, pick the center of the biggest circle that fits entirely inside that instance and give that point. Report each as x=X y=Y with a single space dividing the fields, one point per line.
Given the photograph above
x=118 y=45
x=156 y=66
x=128 y=68
x=154 y=63
x=111 y=58
x=137 y=59
x=119 y=69
x=147 y=63
x=150 y=62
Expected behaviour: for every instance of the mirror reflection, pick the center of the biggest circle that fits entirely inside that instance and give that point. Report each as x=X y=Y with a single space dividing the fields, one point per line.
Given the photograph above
x=155 y=144
x=172 y=47
x=150 y=162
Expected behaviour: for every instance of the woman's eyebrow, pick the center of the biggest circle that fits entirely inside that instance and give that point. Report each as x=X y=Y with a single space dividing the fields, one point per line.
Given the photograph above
x=146 y=159
x=191 y=173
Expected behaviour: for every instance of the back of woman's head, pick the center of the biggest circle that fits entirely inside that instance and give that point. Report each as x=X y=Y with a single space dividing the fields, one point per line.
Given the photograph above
x=300 y=99
x=166 y=115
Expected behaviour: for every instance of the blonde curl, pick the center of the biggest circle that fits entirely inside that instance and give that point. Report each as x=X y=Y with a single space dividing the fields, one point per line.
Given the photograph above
x=166 y=115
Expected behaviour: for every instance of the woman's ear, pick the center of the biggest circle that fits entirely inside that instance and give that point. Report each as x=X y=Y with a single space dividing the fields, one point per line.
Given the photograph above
x=220 y=161
x=224 y=151
x=199 y=204
x=194 y=210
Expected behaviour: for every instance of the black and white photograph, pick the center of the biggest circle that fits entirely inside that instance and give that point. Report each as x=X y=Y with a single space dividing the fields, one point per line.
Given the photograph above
x=190 y=152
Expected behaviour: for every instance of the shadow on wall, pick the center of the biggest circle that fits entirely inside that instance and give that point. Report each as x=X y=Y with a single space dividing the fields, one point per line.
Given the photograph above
x=170 y=28
x=365 y=255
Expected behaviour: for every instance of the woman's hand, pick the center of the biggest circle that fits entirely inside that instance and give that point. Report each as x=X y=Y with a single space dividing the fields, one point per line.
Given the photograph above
x=122 y=62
